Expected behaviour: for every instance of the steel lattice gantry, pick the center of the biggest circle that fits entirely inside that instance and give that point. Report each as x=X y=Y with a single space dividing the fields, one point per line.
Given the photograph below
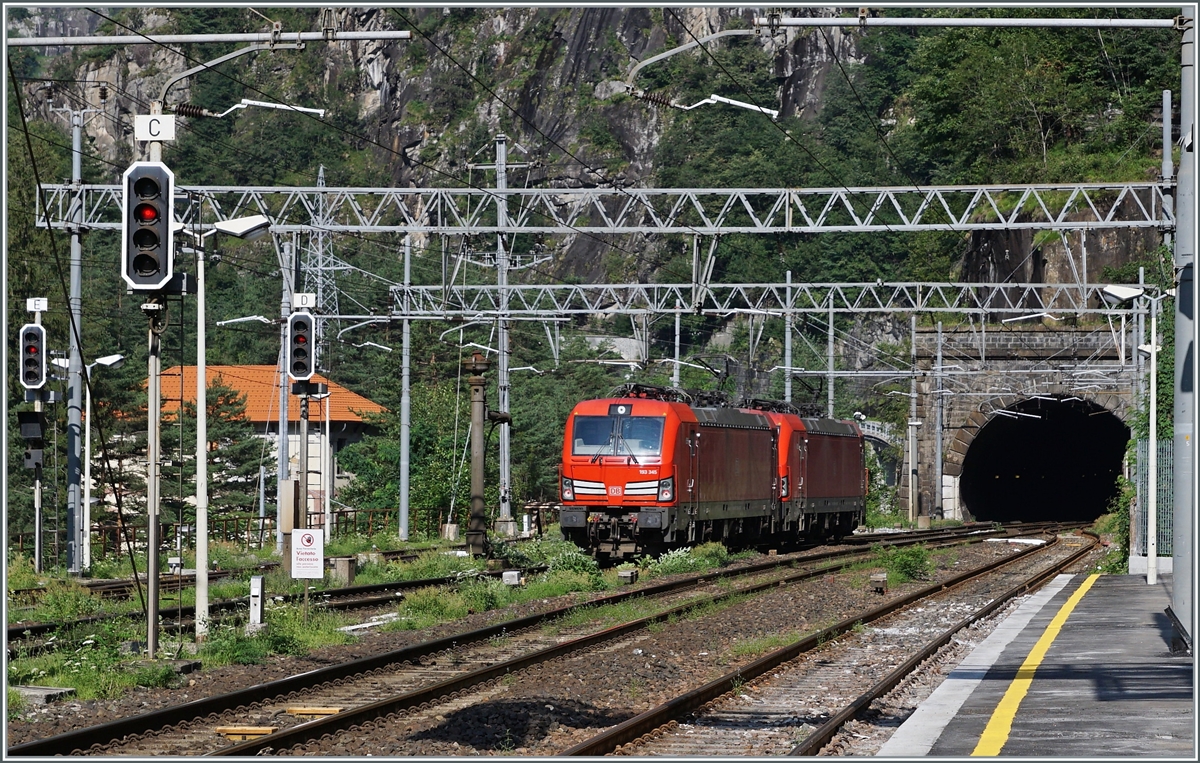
x=709 y=211
x=560 y=300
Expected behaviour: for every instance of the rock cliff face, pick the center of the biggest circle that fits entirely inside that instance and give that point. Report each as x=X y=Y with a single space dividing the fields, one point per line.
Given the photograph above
x=552 y=79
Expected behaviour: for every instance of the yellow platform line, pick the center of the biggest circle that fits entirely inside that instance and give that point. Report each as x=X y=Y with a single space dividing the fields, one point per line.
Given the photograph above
x=1000 y=724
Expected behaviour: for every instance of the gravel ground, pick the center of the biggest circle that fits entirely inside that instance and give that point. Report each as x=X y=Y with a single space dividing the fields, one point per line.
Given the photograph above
x=546 y=710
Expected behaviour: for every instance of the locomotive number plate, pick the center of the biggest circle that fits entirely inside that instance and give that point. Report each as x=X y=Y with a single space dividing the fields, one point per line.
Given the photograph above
x=614 y=490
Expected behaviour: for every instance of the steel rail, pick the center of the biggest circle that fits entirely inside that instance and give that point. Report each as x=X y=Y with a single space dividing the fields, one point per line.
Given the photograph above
x=609 y=740
x=328 y=599
x=85 y=738
x=821 y=735
x=344 y=720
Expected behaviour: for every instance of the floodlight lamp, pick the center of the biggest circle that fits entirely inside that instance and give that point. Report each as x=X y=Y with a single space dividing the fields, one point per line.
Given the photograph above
x=249 y=228
x=1115 y=294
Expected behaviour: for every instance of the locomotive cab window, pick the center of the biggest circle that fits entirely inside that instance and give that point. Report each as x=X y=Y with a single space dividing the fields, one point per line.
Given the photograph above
x=617 y=436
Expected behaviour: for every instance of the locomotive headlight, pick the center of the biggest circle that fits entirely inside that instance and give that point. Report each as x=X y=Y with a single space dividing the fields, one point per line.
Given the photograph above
x=568 y=489
x=666 y=489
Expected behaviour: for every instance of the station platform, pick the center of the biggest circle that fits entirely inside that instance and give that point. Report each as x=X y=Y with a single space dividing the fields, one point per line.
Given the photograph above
x=1082 y=669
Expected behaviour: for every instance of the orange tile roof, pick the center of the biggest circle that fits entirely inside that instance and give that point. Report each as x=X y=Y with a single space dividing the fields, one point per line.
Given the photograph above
x=260 y=385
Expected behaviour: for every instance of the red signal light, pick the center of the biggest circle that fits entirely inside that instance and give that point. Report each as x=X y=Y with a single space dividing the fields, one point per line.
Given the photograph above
x=32 y=349
x=301 y=339
x=146 y=213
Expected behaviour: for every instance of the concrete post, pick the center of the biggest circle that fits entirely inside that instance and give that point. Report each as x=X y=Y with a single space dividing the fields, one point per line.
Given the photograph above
x=504 y=524
x=939 y=506
x=787 y=342
x=75 y=526
x=303 y=497
x=283 y=464
x=405 y=395
x=477 y=365
x=675 y=373
x=912 y=424
x=829 y=359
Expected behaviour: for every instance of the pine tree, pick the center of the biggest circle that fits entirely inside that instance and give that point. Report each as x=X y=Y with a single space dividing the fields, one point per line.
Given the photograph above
x=234 y=455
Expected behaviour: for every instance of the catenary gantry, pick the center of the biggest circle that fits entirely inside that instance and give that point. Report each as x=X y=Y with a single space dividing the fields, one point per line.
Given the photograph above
x=709 y=211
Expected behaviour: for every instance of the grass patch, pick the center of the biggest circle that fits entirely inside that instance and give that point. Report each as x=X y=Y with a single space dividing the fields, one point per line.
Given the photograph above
x=60 y=601
x=755 y=647
x=91 y=663
x=904 y=563
x=707 y=556
x=288 y=633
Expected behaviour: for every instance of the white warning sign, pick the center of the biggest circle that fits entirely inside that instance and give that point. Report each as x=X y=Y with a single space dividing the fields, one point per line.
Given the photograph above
x=308 y=554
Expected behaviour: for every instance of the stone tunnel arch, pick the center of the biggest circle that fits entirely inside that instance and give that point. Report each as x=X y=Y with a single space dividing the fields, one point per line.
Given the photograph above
x=1041 y=458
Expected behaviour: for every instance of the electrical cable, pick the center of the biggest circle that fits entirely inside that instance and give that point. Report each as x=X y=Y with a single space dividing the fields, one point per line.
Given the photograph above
x=75 y=328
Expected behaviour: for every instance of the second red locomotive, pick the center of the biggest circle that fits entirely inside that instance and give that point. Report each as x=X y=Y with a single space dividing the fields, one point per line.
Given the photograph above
x=649 y=469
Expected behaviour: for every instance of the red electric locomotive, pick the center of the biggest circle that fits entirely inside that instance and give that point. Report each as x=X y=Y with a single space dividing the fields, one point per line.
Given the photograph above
x=646 y=470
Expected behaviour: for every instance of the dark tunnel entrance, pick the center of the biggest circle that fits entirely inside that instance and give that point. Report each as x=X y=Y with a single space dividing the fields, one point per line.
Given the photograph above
x=1044 y=459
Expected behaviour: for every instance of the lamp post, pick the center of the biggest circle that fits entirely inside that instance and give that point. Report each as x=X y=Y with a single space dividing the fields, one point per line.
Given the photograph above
x=1151 y=351
x=85 y=522
x=248 y=228
x=326 y=466
x=1121 y=295
x=913 y=423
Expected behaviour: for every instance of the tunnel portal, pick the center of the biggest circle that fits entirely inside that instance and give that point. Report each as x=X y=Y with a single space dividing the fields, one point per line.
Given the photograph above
x=1044 y=459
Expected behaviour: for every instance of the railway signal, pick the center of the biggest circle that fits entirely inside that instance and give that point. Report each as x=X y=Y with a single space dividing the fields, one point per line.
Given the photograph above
x=147 y=239
x=299 y=347
x=33 y=356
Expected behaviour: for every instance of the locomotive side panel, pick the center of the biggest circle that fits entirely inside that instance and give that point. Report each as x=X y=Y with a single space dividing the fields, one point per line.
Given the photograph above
x=732 y=466
x=836 y=480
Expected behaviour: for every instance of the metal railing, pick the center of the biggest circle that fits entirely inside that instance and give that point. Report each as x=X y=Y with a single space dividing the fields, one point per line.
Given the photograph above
x=1166 y=499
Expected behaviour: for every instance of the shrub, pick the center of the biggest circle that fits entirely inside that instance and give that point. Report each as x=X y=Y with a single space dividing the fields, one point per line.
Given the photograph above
x=573 y=560
x=435 y=604
x=562 y=582
x=675 y=561
x=484 y=595
x=62 y=601
x=905 y=563
x=227 y=645
x=432 y=564
x=512 y=555
x=712 y=554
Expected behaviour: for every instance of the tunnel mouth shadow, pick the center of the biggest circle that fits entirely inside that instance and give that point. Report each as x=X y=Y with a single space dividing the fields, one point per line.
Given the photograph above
x=1050 y=458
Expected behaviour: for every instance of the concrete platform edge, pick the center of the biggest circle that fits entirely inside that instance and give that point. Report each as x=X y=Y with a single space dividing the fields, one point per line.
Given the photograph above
x=917 y=735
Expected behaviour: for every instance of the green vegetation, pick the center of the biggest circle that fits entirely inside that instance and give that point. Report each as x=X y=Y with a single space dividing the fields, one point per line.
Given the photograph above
x=904 y=563
x=764 y=644
x=707 y=556
x=910 y=107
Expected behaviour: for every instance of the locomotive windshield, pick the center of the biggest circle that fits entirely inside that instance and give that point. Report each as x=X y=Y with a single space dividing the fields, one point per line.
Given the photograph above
x=617 y=436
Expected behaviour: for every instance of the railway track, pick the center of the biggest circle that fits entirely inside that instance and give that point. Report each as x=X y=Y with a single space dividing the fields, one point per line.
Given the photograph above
x=805 y=692
x=124 y=588
x=29 y=638
x=417 y=674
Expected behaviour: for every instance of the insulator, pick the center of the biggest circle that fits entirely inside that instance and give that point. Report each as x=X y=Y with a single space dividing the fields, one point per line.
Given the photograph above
x=104 y=92
x=656 y=99
x=190 y=110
